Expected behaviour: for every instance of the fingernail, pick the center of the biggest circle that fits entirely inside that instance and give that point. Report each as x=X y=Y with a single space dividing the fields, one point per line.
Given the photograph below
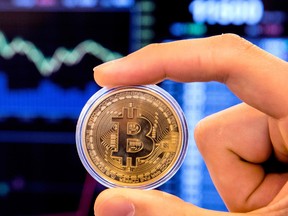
x=119 y=206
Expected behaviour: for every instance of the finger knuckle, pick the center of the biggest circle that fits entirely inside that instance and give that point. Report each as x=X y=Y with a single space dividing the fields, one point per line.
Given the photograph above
x=204 y=133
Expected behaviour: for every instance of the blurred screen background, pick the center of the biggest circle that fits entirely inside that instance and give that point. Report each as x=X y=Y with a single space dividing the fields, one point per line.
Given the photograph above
x=48 y=49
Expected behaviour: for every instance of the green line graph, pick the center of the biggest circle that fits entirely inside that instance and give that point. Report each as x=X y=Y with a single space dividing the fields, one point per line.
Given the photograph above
x=48 y=65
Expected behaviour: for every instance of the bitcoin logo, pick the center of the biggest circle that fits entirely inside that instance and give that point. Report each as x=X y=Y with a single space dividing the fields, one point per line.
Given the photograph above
x=131 y=136
x=135 y=142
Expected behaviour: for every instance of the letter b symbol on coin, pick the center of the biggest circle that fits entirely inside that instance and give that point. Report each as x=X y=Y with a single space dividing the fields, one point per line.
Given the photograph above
x=133 y=136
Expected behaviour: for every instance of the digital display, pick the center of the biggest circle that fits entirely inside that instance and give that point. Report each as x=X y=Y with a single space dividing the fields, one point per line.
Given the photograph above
x=47 y=53
x=48 y=49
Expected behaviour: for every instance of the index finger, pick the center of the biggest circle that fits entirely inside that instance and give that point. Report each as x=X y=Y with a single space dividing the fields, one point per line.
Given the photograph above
x=255 y=76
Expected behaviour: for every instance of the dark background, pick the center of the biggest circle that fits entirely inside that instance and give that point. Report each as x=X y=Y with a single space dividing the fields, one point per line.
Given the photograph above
x=40 y=172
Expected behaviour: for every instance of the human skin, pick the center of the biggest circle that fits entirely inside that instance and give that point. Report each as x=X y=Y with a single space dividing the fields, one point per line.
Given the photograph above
x=237 y=144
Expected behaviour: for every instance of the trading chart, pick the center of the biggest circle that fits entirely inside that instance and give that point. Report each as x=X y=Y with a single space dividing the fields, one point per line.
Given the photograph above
x=48 y=49
x=47 y=55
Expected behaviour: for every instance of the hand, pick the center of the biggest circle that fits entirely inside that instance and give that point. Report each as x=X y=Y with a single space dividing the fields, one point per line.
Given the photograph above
x=245 y=147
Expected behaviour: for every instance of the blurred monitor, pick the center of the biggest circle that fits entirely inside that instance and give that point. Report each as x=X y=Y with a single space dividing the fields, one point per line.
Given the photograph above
x=48 y=49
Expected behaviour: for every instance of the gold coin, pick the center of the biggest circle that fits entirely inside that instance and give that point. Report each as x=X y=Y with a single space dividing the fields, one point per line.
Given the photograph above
x=133 y=136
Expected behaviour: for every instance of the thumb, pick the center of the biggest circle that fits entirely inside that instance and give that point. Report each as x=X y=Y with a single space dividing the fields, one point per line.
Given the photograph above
x=132 y=202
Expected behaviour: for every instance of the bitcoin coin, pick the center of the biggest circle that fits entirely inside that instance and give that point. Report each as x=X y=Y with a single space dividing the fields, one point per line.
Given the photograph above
x=133 y=136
